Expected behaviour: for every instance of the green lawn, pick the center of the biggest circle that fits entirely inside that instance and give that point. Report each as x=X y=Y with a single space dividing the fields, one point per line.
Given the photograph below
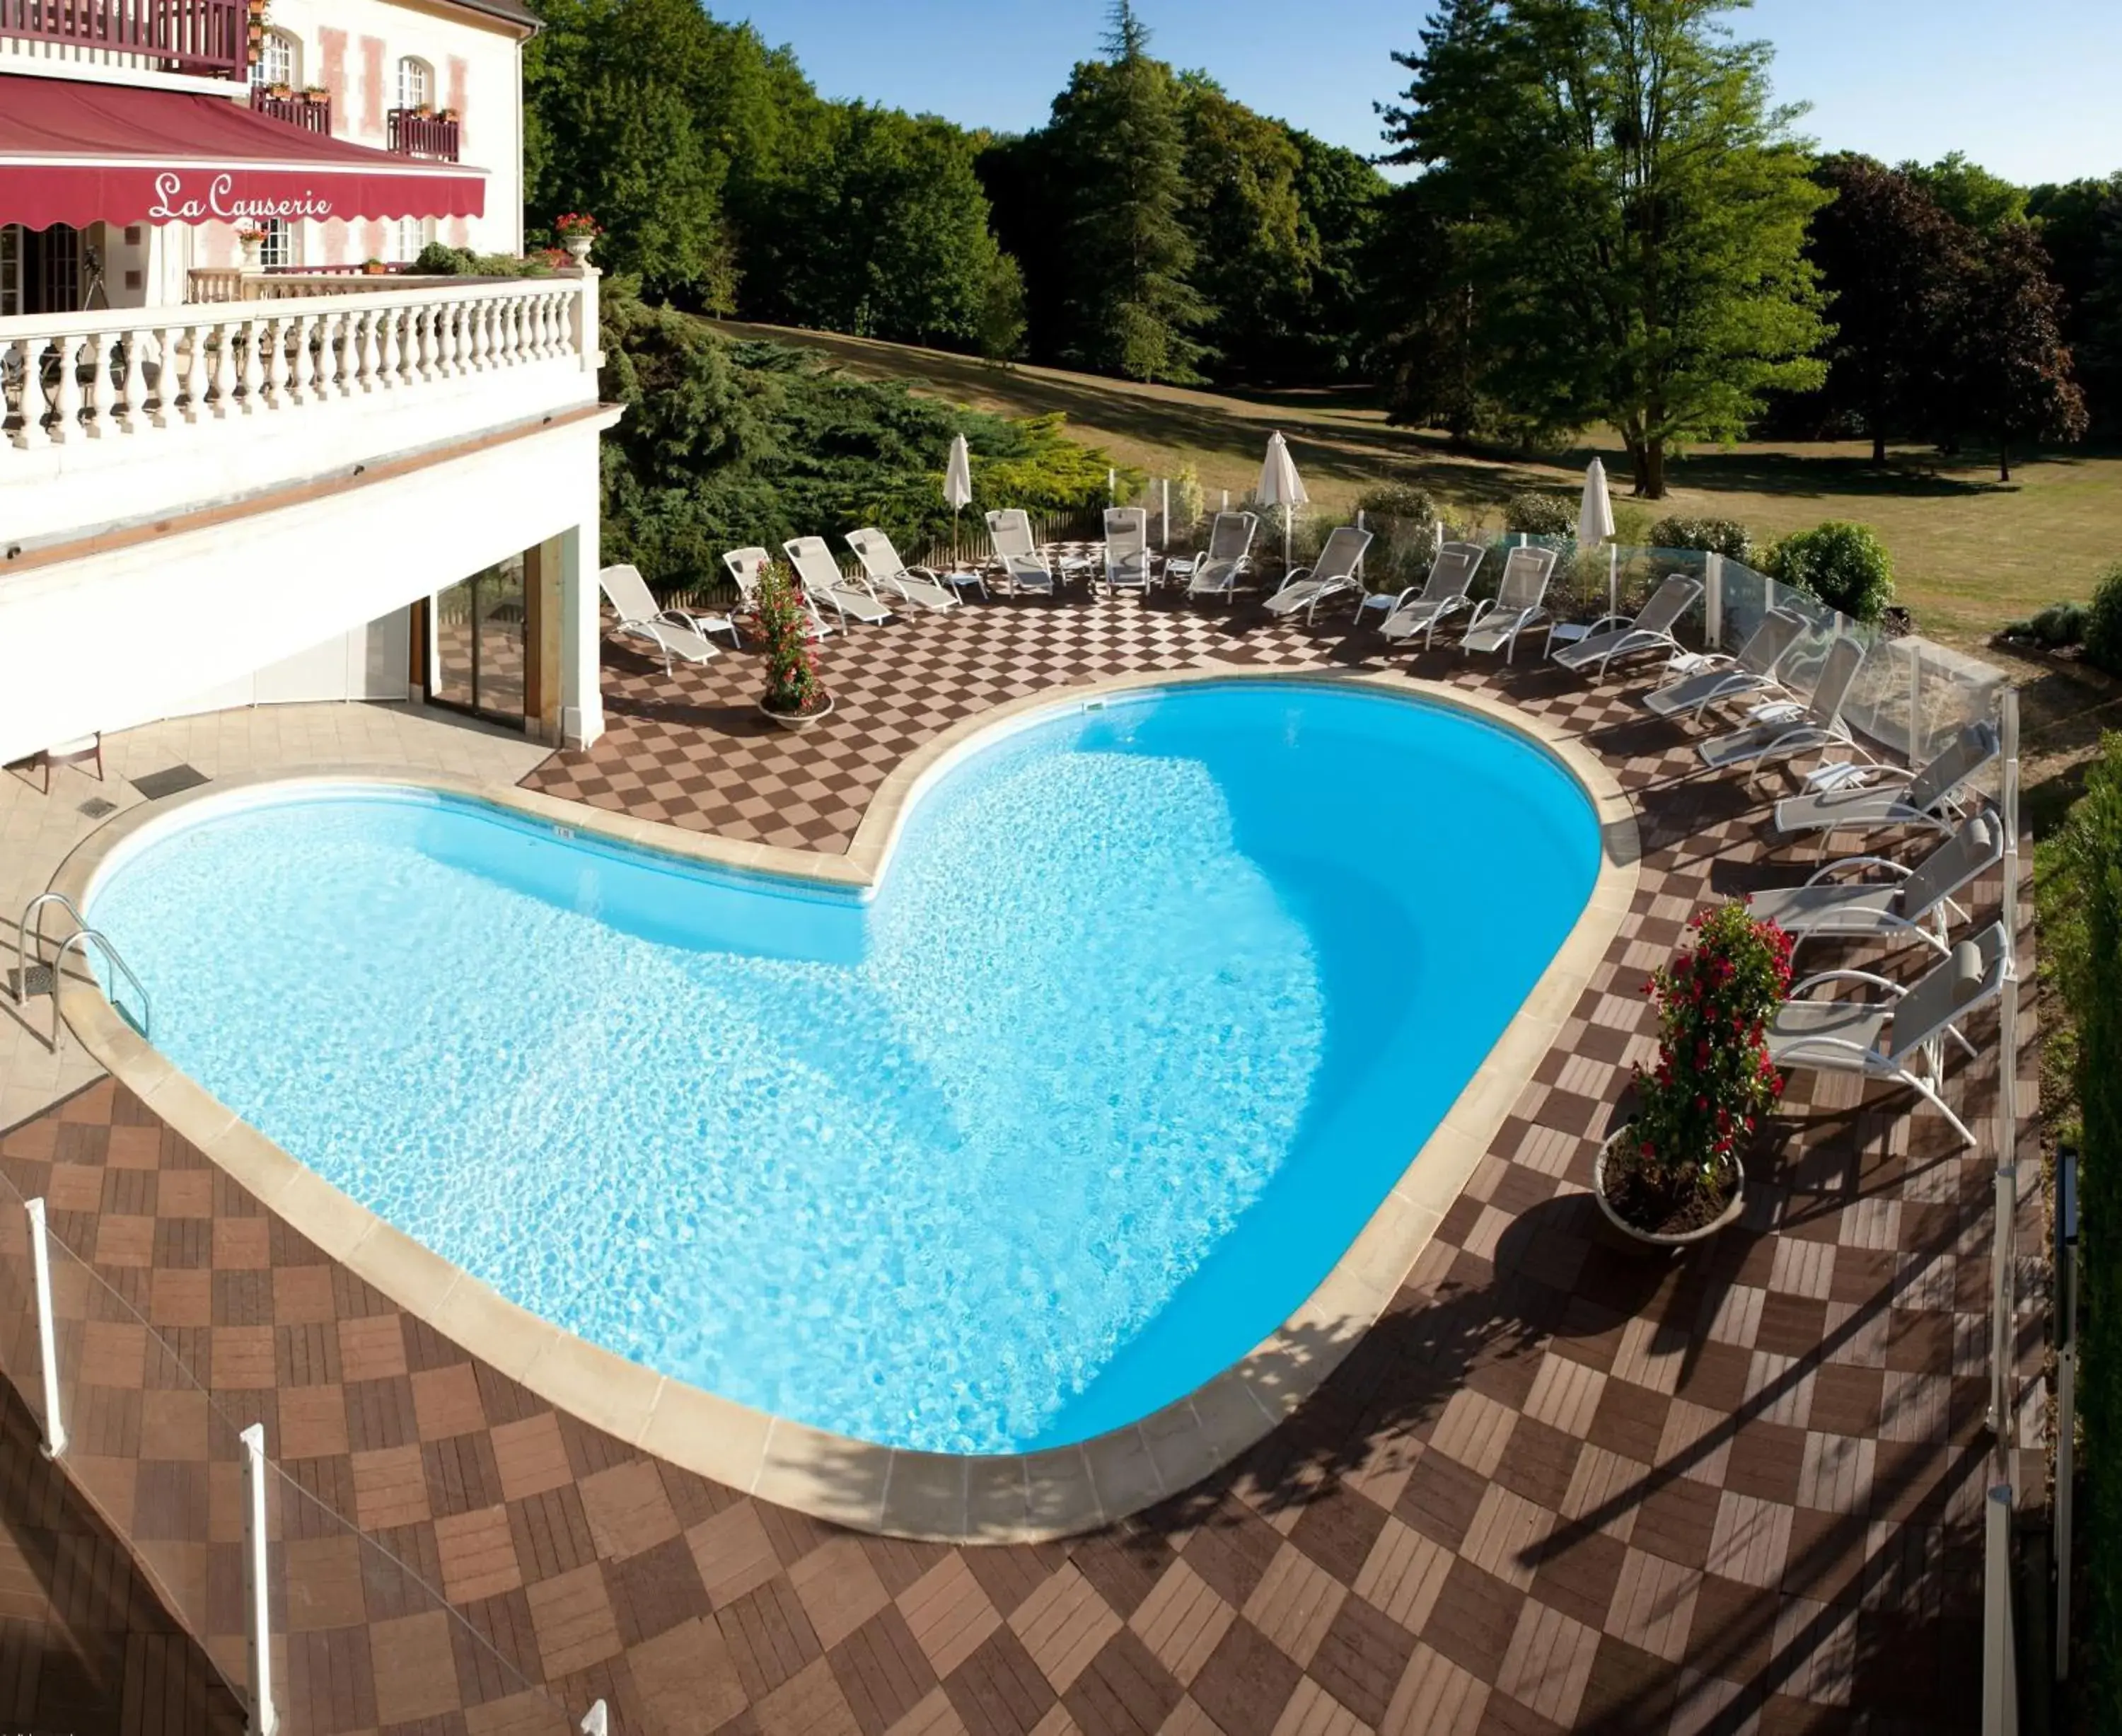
x=1969 y=554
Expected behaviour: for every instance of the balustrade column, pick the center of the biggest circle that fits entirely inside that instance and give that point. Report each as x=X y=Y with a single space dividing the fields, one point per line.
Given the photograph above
x=65 y=400
x=129 y=391
x=94 y=356
x=372 y=360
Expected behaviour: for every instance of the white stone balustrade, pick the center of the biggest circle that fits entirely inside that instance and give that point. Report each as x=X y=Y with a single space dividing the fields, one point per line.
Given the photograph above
x=109 y=417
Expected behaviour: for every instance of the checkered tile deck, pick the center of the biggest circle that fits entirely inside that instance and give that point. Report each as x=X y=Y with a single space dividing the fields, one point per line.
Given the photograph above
x=1559 y=1486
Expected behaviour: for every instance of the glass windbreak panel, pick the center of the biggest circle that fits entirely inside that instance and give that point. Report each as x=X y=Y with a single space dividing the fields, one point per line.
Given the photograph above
x=364 y=1636
x=478 y=625
x=151 y=1451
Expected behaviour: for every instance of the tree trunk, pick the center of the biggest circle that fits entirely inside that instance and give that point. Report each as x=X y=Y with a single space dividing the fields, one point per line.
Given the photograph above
x=1650 y=475
x=2004 y=458
x=1878 y=447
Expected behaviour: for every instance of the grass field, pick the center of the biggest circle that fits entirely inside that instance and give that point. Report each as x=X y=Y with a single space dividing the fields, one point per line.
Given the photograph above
x=1968 y=554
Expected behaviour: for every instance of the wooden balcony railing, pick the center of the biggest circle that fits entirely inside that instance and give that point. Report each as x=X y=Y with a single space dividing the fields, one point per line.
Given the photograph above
x=210 y=37
x=415 y=134
x=311 y=114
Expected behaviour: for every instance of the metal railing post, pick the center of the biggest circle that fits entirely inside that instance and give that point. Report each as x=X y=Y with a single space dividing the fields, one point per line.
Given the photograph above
x=264 y=1718
x=1713 y=601
x=1163 y=513
x=2000 y=1683
x=2005 y=1208
x=40 y=1269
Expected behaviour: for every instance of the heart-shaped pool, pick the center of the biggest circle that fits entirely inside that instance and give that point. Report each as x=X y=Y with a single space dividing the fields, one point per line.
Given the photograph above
x=1155 y=1002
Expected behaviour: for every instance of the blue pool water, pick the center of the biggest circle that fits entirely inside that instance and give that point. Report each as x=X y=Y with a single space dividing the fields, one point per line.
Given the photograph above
x=1154 y=1004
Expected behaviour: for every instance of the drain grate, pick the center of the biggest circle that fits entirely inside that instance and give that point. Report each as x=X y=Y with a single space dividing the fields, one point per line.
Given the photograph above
x=96 y=807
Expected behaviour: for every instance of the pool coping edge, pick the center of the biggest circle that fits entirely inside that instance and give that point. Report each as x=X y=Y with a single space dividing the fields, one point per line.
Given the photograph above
x=1004 y=1498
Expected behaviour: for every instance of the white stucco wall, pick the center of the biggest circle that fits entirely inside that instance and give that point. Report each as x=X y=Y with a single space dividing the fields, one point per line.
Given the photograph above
x=352 y=48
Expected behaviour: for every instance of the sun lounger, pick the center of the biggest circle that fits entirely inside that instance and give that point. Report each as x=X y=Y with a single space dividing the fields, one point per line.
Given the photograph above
x=824 y=584
x=1022 y=564
x=671 y=631
x=1517 y=607
x=1712 y=677
x=919 y=586
x=747 y=567
x=1216 y=571
x=1333 y=574
x=1617 y=636
x=1934 y=797
x=1442 y=594
x=1899 y=1041
x=1788 y=729
x=1910 y=904
x=1126 y=549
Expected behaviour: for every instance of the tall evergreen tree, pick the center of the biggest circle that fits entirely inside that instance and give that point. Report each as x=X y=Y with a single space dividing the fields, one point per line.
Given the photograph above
x=1631 y=210
x=1118 y=137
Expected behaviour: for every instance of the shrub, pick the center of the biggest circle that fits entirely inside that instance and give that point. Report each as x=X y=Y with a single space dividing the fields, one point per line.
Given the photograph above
x=1541 y=515
x=1844 y=565
x=1724 y=536
x=2103 y=623
x=792 y=685
x=2058 y=625
x=438 y=259
x=2086 y=853
x=1713 y=1078
x=1398 y=500
x=1190 y=504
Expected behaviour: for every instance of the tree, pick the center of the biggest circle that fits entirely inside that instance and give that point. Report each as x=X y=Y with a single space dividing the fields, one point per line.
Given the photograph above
x=1968 y=193
x=1255 y=252
x=1119 y=140
x=611 y=130
x=1630 y=211
x=2016 y=369
x=1890 y=258
x=2080 y=226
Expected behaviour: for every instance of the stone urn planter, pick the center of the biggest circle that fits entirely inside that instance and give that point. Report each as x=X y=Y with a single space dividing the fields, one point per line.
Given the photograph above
x=1672 y=1241
x=254 y=252
x=798 y=720
x=578 y=247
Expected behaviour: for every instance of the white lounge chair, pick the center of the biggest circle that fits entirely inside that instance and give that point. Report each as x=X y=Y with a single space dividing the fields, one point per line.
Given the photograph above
x=1617 y=636
x=1021 y=563
x=918 y=585
x=1899 y=1041
x=1708 y=677
x=671 y=631
x=1910 y=904
x=1517 y=607
x=1126 y=549
x=823 y=583
x=1934 y=797
x=747 y=567
x=1788 y=729
x=1216 y=571
x=1333 y=574
x=1443 y=594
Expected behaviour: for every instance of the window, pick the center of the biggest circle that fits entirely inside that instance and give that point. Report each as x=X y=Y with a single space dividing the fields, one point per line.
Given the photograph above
x=416 y=83
x=10 y=269
x=283 y=243
x=413 y=234
x=279 y=61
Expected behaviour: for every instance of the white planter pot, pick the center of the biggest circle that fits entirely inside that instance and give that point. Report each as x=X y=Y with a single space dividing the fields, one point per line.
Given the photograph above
x=1652 y=1238
x=578 y=247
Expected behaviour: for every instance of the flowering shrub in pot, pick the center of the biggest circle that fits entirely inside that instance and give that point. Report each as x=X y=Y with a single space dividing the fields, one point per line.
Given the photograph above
x=795 y=695
x=1674 y=1171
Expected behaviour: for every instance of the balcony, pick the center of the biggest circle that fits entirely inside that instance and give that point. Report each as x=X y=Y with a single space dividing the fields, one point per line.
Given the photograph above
x=210 y=38
x=114 y=418
x=311 y=114
x=415 y=134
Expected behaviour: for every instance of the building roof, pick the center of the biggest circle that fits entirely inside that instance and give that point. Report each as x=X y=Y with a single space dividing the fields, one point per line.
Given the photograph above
x=514 y=12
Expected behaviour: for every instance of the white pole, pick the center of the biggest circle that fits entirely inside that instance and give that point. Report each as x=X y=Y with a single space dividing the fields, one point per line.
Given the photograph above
x=1227 y=500
x=1613 y=578
x=257 y=1609
x=1163 y=514
x=40 y=1268
x=2000 y=1683
x=2066 y=1437
x=1712 y=602
x=1112 y=489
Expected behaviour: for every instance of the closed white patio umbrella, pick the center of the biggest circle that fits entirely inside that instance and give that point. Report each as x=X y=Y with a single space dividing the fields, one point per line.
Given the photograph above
x=1595 y=525
x=1281 y=486
x=957 y=485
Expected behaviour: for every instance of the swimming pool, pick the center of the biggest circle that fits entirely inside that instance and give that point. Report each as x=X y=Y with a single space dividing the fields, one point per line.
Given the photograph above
x=1154 y=1003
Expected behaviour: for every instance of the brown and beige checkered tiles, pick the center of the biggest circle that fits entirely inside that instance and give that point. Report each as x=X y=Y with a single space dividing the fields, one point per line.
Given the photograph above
x=1558 y=1487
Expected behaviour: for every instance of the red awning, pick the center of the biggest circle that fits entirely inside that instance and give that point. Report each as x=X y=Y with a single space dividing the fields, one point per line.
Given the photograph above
x=84 y=153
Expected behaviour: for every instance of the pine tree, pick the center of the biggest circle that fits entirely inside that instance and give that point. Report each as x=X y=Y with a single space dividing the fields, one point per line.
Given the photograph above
x=1120 y=135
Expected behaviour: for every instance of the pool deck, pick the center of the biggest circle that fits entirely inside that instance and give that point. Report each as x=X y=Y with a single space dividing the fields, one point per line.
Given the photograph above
x=1558 y=1486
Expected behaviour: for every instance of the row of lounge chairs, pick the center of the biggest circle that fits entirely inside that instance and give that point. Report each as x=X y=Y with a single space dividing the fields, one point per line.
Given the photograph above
x=1897 y=1033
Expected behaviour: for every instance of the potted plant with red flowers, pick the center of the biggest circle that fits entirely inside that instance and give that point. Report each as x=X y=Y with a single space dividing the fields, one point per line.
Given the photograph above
x=576 y=233
x=795 y=696
x=1673 y=1175
x=252 y=241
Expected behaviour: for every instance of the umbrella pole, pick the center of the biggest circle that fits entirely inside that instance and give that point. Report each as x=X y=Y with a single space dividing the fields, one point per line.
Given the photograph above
x=1613 y=578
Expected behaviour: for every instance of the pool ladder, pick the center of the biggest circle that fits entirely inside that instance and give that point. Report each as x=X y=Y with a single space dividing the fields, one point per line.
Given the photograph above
x=35 y=977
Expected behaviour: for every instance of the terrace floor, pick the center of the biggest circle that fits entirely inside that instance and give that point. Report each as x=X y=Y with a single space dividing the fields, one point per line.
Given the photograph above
x=1558 y=1486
